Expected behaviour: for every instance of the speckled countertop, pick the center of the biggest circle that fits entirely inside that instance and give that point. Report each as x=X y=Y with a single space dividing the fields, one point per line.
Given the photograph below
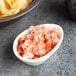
x=61 y=63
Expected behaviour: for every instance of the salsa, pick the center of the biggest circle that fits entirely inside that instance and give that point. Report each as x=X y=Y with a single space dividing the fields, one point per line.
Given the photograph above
x=38 y=42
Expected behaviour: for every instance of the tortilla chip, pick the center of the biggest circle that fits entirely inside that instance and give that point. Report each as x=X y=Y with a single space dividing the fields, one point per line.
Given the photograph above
x=10 y=2
x=3 y=9
x=12 y=7
x=6 y=4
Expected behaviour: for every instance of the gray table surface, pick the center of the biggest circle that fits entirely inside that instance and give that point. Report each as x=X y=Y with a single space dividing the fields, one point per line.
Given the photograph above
x=61 y=63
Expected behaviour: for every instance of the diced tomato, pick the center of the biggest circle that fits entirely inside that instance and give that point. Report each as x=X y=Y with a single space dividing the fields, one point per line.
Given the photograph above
x=29 y=39
x=47 y=51
x=20 y=50
x=47 y=46
x=21 y=40
x=51 y=31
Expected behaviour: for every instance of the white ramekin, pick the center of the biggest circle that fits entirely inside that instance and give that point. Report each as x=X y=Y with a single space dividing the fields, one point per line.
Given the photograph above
x=41 y=60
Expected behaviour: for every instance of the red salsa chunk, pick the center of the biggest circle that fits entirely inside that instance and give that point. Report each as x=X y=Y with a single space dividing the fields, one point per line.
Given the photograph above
x=39 y=41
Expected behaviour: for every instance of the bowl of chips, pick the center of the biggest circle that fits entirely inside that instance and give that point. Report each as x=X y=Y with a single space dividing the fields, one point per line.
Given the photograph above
x=12 y=9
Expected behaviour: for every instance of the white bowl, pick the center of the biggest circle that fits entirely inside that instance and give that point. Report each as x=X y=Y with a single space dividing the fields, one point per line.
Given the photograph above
x=38 y=61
